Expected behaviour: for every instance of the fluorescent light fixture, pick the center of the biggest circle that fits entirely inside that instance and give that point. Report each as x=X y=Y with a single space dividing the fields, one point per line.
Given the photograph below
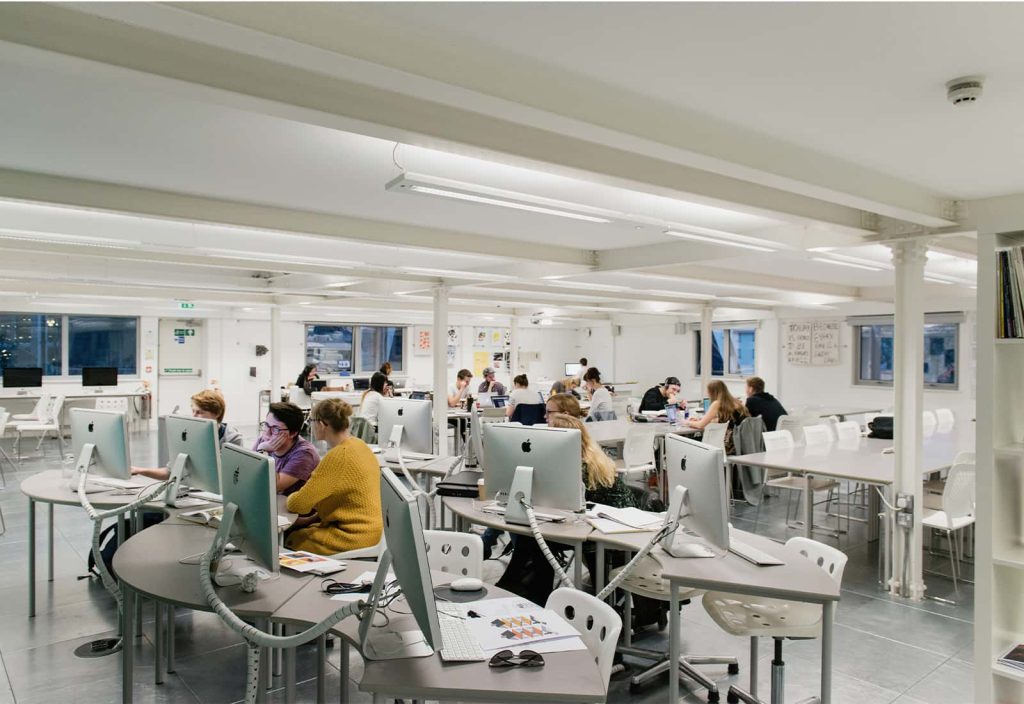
x=755 y=301
x=820 y=249
x=718 y=240
x=931 y=278
x=547 y=321
x=304 y=303
x=585 y=285
x=484 y=195
x=75 y=240
x=460 y=273
x=852 y=265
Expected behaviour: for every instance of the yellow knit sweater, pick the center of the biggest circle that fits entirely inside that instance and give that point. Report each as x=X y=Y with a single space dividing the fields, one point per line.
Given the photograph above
x=345 y=491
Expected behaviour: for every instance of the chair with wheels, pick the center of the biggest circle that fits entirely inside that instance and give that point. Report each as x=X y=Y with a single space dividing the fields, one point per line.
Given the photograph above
x=645 y=580
x=597 y=623
x=753 y=616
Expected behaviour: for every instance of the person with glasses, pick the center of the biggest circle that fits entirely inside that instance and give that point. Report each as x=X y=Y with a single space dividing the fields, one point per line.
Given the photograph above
x=659 y=397
x=563 y=403
x=339 y=505
x=295 y=458
x=205 y=404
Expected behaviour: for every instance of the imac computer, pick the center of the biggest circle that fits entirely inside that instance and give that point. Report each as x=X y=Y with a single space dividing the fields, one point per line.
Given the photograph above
x=99 y=440
x=416 y=422
x=250 y=484
x=406 y=555
x=99 y=376
x=572 y=368
x=194 y=451
x=541 y=464
x=700 y=506
x=23 y=378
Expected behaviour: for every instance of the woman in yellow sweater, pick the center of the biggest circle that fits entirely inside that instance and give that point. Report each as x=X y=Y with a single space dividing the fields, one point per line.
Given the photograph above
x=342 y=495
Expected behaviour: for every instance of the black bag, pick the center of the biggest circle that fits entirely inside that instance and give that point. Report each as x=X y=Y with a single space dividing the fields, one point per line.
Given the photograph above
x=881 y=427
x=528 y=573
x=108 y=548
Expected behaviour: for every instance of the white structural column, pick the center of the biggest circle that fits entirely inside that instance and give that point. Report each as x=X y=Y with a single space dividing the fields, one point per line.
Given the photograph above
x=908 y=378
x=706 y=318
x=439 y=345
x=276 y=353
x=513 y=348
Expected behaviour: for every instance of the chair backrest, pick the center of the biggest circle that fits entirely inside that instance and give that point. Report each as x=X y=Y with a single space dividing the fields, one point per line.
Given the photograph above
x=53 y=415
x=476 y=436
x=597 y=623
x=299 y=397
x=528 y=413
x=461 y=554
x=714 y=434
x=363 y=429
x=817 y=435
x=117 y=403
x=965 y=458
x=601 y=415
x=958 y=494
x=828 y=558
x=777 y=440
x=848 y=430
x=638 y=448
x=4 y=417
x=794 y=424
x=945 y=420
x=928 y=422
x=39 y=410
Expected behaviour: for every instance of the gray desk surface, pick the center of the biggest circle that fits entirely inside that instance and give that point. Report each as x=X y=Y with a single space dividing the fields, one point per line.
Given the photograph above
x=566 y=677
x=842 y=411
x=861 y=460
x=610 y=432
x=571 y=531
x=50 y=487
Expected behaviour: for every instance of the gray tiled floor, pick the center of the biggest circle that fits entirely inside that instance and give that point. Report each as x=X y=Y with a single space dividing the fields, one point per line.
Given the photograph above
x=887 y=650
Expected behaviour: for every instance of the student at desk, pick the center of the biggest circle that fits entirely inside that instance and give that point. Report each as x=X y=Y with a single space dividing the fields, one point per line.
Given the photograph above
x=369 y=402
x=563 y=403
x=521 y=394
x=339 y=506
x=600 y=397
x=389 y=388
x=724 y=408
x=490 y=386
x=307 y=375
x=295 y=458
x=761 y=403
x=658 y=397
x=460 y=391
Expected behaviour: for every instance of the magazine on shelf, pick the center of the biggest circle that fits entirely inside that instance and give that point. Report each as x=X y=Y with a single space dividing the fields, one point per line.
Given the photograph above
x=1013 y=657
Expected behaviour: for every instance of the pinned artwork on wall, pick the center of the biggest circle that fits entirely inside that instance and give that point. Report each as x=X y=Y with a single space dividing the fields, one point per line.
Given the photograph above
x=452 y=350
x=497 y=337
x=421 y=341
x=508 y=337
x=480 y=337
x=453 y=335
x=498 y=360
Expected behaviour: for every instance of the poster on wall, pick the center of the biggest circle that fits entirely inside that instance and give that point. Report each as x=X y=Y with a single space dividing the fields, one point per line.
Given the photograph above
x=421 y=344
x=497 y=337
x=480 y=337
x=825 y=343
x=453 y=335
x=452 y=353
x=481 y=360
x=508 y=337
x=498 y=360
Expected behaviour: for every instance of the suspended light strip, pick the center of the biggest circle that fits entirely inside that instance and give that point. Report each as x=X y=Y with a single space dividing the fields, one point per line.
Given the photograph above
x=851 y=265
x=431 y=191
x=716 y=240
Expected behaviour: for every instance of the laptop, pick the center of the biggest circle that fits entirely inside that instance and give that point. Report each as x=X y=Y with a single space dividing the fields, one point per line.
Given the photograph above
x=499 y=401
x=485 y=399
x=360 y=384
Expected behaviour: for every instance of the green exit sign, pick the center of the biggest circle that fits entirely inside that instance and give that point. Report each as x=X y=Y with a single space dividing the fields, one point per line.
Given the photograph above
x=186 y=305
x=184 y=332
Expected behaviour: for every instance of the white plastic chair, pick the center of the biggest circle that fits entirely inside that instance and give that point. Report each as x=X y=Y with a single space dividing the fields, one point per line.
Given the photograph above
x=795 y=425
x=597 y=623
x=714 y=434
x=300 y=398
x=371 y=553
x=38 y=413
x=461 y=554
x=848 y=430
x=957 y=512
x=637 y=450
x=50 y=423
x=777 y=440
x=742 y=615
x=944 y=420
x=794 y=483
x=819 y=434
x=928 y=423
x=4 y=416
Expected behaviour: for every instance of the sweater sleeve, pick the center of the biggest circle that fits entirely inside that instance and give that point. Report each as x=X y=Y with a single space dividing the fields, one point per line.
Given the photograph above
x=316 y=489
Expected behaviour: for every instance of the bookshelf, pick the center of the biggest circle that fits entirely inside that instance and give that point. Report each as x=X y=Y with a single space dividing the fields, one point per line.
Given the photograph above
x=999 y=563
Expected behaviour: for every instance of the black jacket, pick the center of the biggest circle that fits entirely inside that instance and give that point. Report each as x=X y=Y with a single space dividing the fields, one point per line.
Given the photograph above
x=653 y=400
x=766 y=406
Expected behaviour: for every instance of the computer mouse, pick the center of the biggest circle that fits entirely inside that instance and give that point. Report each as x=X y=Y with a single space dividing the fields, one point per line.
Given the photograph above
x=467 y=584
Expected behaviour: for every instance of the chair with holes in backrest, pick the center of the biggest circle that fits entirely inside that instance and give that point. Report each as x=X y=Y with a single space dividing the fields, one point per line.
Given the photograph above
x=645 y=580
x=847 y=430
x=944 y=420
x=51 y=423
x=38 y=413
x=637 y=451
x=794 y=483
x=928 y=423
x=597 y=623
x=752 y=616
x=459 y=554
x=957 y=513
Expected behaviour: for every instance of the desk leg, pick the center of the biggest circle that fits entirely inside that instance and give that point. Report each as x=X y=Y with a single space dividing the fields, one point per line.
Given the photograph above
x=828 y=613
x=277 y=652
x=808 y=508
x=673 y=642
x=599 y=577
x=289 y=671
x=127 y=644
x=49 y=545
x=577 y=569
x=31 y=558
x=158 y=642
x=887 y=537
x=321 y=670
x=343 y=666
x=171 y=623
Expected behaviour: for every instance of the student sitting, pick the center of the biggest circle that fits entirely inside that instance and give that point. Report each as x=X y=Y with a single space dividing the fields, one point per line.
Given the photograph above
x=490 y=386
x=521 y=394
x=460 y=392
x=762 y=403
x=658 y=397
x=389 y=387
x=600 y=398
x=724 y=408
x=295 y=458
x=563 y=403
x=340 y=504
x=369 y=403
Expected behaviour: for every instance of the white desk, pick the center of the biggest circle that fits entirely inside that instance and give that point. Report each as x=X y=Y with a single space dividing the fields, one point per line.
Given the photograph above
x=841 y=411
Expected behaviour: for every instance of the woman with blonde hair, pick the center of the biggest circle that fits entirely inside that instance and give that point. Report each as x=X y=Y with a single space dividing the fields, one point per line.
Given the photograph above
x=563 y=403
x=603 y=484
x=724 y=408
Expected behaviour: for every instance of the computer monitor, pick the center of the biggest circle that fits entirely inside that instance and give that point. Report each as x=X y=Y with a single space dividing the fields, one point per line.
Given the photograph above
x=22 y=377
x=554 y=454
x=702 y=507
x=415 y=418
x=706 y=405
x=499 y=401
x=418 y=395
x=672 y=411
x=360 y=383
x=99 y=376
x=406 y=555
x=317 y=385
x=99 y=440
x=572 y=368
x=194 y=450
x=251 y=484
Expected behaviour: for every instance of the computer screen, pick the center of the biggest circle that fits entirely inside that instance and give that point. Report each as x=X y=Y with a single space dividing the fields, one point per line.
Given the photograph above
x=360 y=384
x=418 y=395
x=21 y=377
x=554 y=454
x=415 y=418
x=707 y=404
x=250 y=483
x=317 y=385
x=672 y=411
x=499 y=401
x=484 y=399
x=99 y=376
x=197 y=438
x=107 y=431
x=698 y=467
x=572 y=368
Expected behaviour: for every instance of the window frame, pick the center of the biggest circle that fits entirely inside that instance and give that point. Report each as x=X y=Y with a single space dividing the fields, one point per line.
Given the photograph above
x=726 y=350
x=930 y=386
x=357 y=345
x=65 y=343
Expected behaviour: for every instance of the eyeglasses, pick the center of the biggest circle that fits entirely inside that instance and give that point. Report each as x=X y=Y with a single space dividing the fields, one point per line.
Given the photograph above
x=271 y=430
x=525 y=658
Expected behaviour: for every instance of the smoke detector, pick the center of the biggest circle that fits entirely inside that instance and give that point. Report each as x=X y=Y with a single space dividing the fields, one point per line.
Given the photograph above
x=964 y=90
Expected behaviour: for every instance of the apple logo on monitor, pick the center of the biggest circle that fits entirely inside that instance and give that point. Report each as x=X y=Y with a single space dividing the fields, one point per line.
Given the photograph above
x=401 y=411
x=526 y=446
x=91 y=425
x=235 y=476
x=184 y=435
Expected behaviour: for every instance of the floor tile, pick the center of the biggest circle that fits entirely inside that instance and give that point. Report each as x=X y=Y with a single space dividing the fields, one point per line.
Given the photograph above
x=951 y=683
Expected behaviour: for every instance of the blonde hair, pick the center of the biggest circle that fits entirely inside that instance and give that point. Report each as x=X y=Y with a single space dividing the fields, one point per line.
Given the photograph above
x=600 y=469
x=334 y=413
x=728 y=405
x=211 y=402
x=566 y=403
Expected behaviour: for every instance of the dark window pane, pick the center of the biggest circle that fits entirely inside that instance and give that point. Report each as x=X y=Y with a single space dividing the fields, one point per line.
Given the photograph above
x=742 y=343
x=102 y=341
x=940 y=353
x=330 y=347
x=379 y=344
x=31 y=340
x=876 y=347
x=717 y=352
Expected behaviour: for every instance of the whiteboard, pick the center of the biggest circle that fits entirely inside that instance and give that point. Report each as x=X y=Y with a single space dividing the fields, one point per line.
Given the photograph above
x=798 y=343
x=813 y=343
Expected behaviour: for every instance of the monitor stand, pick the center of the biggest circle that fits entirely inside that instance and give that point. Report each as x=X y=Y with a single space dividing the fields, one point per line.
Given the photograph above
x=177 y=477
x=520 y=490
x=386 y=643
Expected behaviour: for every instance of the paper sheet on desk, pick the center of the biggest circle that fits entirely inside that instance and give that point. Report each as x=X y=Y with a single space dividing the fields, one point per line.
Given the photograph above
x=514 y=622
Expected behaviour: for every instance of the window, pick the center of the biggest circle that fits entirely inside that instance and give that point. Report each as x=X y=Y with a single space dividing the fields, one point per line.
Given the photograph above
x=737 y=346
x=330 y=346
x=31 y=340
x=352 y=349
x=379 y=344
x=874 y=363
x=102 y=341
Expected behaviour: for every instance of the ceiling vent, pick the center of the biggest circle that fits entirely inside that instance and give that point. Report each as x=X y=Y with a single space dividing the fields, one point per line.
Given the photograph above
x=965 y=90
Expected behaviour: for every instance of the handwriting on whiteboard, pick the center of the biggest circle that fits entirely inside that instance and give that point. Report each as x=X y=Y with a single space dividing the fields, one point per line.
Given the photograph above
x=813 y=343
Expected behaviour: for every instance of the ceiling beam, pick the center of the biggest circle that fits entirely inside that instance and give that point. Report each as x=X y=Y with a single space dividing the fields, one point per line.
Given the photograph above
x=755 y=280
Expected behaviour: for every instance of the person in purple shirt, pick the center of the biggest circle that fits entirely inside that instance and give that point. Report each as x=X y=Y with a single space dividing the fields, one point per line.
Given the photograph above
x=295 y=458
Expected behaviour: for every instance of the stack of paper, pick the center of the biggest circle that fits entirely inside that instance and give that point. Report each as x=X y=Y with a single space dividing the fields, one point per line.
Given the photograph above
x=623 y=520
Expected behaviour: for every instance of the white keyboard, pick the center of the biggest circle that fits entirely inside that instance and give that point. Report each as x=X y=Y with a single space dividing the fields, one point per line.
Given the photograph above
x=752 y=554
x=549 y=517
x=458 y=644
x=390 y=455
x=116 y=483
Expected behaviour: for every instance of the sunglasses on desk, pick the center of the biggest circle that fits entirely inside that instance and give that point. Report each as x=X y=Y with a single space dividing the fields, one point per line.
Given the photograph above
x=524 y=658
